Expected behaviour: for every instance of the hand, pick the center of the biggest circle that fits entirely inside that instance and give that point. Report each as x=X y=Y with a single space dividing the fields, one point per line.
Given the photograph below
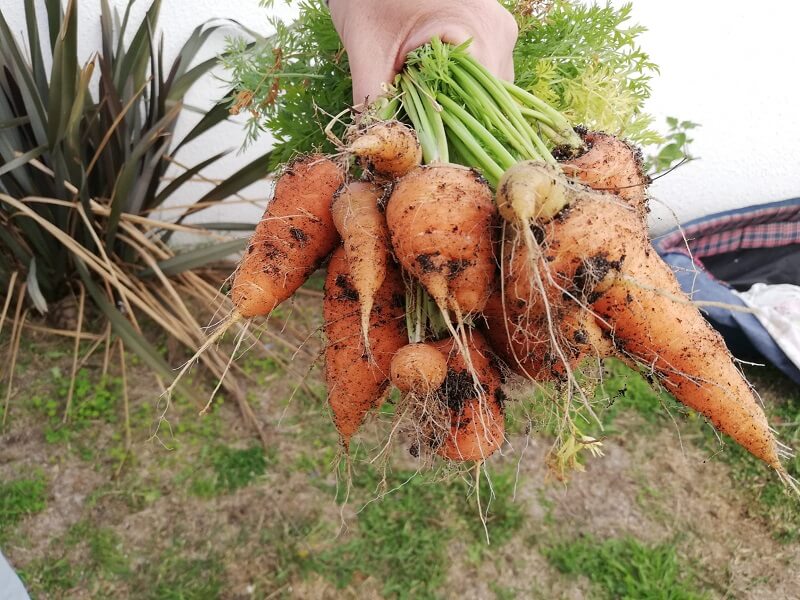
x=378 y=34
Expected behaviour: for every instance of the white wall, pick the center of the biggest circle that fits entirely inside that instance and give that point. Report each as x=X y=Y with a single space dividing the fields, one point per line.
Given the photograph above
x=730 y=66
x=177 y=20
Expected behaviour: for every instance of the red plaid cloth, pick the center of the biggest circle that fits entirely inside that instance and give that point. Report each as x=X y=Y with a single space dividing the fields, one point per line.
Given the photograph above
x=767 y=226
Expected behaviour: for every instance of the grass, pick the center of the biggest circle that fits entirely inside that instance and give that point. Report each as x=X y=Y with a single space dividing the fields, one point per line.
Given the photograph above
x=504 y=515
x=20 y=498
x=625 y=390
x=224 y=470
x=626 y=569
x=199 y=539
x=86 y=556
x=768 y=497
x=174 y=576
x=401 y=539
x=407 y=527
x=94 y=402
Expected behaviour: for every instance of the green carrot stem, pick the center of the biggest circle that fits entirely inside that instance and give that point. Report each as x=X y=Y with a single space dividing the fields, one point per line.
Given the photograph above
x=416 y=113
x=491 y=170
x=388 y=108
x=503 y=98
x=470 y=91
x=547 y=156
x=467 y=157
x=558 y=121
x=502 y=156
x=432 y=112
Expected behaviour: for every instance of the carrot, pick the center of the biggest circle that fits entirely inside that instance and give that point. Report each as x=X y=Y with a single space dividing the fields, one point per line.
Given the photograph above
x=419 y=369
x=477 y=424
x=595 y=253
x=389 y=148
x=360 y=221
x=650 y=320
x=440 y=219
x=357 y=382
x=293 y=237
x=525 y=345
x=290 y=242
x=612 y=165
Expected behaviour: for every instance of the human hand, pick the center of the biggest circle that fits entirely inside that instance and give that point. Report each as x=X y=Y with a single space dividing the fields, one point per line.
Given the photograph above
x=378 y=34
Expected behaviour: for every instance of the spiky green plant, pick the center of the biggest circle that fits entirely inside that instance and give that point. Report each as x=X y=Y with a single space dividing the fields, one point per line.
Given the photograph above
x=82 y=168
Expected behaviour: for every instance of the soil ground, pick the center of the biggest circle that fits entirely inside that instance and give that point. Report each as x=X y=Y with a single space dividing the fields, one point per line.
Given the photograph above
x=204 y=511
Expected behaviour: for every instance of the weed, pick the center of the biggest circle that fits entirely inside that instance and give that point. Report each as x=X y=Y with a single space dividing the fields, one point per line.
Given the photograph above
x=501 y=592
x=106 y=556
x=260 y=367
x=290 y=541
x=92 y=403
x=56 y=573
x=46 y=577
x=626 y=568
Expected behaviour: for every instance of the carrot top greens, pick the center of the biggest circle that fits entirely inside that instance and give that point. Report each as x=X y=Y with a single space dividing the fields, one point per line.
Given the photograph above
x=489 y=124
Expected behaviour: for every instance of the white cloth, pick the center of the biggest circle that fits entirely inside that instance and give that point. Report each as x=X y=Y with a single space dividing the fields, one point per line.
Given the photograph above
x=10 y=586
x=777 y=307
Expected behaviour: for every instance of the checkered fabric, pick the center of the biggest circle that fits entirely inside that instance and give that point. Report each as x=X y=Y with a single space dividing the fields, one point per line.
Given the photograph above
x=763 y=226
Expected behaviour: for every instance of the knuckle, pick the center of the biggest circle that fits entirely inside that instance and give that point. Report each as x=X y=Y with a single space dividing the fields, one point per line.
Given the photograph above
x=509 y=25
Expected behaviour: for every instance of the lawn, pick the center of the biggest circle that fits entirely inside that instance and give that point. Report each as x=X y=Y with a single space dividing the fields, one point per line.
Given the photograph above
x=98 y=507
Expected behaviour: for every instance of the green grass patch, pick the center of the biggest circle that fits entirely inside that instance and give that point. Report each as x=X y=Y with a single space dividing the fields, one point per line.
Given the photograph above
x=226 y=469
x=92 y=401
x=400 y=539
x=626 y=569
x=103 y=559
x=106 y=555
x=48 y=577
x=95 y=403
x=771 y=499
x=20 y=498
x=260 y=367
x=175 y=577
x=504 y=517
x=626 y=390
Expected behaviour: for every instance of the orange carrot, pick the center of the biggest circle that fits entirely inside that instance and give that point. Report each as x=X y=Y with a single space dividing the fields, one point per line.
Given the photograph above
x=611 y=165
x=650 y=320
x=440 y=219
x=360 y=221
x=526 y=347
x=357 y=382
x=419 y=369
x=388 y=148
x=595 y=254
x=293 y=237
x=477 y=424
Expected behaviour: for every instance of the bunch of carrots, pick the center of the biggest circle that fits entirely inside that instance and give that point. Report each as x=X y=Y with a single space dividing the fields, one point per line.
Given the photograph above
x=473 y=236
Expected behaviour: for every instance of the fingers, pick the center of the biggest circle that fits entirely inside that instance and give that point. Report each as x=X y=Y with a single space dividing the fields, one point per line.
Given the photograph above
x=369 y=74
x=378 y=36
x=493 y=43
